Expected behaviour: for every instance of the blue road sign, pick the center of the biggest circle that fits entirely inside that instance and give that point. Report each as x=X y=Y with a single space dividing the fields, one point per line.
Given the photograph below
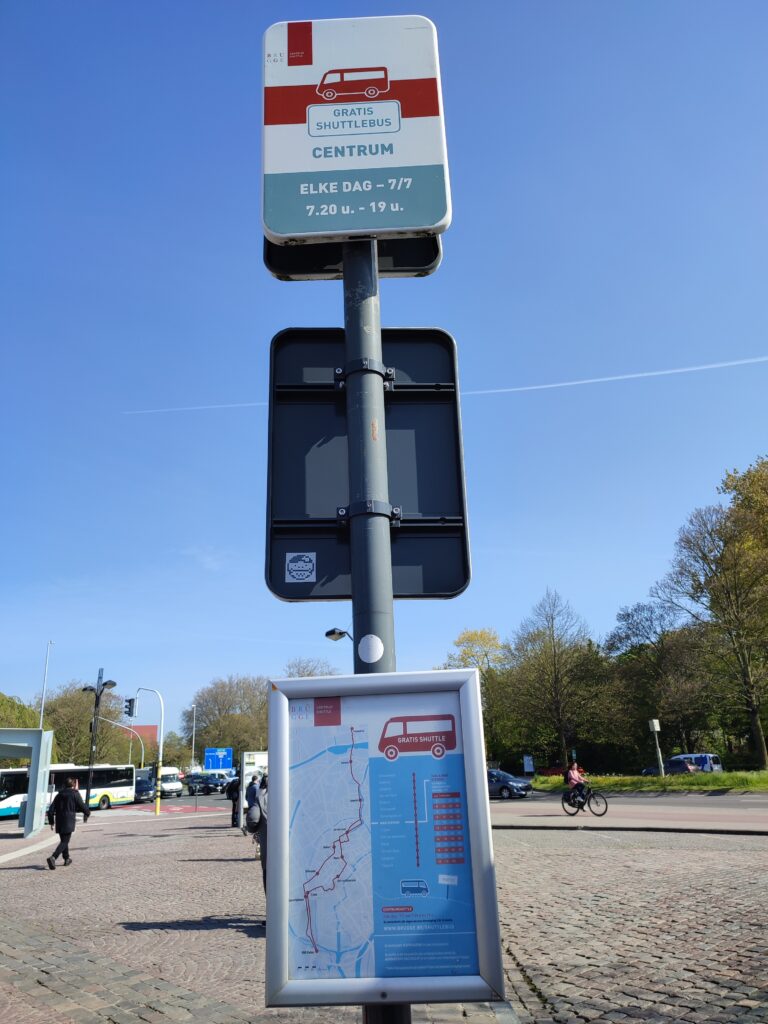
x=218 y=757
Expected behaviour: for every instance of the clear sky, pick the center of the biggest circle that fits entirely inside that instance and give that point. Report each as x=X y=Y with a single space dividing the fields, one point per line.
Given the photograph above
x=610 y=218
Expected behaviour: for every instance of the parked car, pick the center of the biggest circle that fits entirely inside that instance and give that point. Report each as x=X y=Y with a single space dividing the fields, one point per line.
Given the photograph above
x=504 y=785
x=672 y=768
x=218 y=781
x=145 y=790
x=704 y=762
x=197 y=783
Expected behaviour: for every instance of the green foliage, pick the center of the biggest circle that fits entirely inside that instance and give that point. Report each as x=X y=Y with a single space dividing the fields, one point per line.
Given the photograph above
x=229 y=712
x=738 y=781
x=15 y=714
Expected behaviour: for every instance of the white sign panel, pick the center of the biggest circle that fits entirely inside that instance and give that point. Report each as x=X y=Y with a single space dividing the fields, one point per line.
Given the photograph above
x=353 y=138
x=381 y=883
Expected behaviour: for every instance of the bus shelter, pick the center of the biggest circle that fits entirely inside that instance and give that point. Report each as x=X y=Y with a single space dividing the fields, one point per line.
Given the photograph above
x=35 y=744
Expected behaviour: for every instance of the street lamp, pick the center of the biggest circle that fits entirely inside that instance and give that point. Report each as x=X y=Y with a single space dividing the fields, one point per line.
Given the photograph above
x=194 y=706
x=336 y=633
x=98 y=689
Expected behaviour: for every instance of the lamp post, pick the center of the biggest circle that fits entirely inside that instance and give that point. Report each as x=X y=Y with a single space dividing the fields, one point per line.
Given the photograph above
x=132 y=732
x=45 y=680
x=98 y=690
x=158 y=782
x=194 y=706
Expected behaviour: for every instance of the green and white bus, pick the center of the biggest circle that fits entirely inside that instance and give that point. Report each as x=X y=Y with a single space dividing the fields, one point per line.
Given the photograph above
x=112 y=785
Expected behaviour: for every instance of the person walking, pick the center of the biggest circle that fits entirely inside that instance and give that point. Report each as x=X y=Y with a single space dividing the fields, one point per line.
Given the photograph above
x=62 y=816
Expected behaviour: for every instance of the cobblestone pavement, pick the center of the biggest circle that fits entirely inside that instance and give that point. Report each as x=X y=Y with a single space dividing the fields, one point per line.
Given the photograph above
x=634 y=927
x=159 y=921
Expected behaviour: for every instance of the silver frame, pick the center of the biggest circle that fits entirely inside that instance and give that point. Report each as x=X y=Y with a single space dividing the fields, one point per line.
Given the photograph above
x=488 y=985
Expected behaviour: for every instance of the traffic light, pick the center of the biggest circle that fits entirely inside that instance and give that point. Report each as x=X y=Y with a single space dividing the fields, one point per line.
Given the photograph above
x=130 y=706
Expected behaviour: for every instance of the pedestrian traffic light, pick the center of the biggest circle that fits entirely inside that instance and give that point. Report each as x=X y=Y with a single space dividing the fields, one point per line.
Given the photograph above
x=130 y=706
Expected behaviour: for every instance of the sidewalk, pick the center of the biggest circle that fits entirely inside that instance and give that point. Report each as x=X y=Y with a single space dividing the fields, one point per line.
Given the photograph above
x=158 y=920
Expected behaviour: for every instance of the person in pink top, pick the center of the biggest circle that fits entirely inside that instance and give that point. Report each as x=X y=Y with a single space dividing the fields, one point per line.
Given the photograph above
x=576 y=780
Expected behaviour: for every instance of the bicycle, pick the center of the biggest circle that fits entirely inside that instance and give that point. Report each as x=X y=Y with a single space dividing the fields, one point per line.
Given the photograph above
x=595 y=801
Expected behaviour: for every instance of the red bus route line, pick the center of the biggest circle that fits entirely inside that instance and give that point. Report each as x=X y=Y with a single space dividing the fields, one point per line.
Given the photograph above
x=416 y=818
x=337 y=853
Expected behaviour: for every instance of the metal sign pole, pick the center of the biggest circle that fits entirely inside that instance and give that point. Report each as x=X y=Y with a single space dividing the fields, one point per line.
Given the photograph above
x=369 y=509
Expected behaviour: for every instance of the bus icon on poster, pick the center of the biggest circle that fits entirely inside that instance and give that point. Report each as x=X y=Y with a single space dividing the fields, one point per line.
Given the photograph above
x=353 y=82
x=418 y=734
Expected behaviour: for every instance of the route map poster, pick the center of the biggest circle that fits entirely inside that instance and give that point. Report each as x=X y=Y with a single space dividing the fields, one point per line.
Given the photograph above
x=378 y=874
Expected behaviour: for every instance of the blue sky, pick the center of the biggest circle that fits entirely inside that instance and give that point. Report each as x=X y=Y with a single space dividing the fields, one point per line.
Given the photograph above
x=608 y=167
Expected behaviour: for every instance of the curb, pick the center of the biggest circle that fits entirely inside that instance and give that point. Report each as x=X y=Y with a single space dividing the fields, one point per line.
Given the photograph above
x=632 y=828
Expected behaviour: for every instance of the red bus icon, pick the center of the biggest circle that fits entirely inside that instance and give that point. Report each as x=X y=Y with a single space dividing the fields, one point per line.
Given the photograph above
x=411 y=734
x=353 y=82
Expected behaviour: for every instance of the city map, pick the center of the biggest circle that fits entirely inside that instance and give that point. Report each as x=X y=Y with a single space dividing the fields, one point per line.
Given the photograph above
x=380 y=875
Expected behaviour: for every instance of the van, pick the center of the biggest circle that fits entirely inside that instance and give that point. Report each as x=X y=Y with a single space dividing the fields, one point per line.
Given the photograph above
x=170 y=782
x=368 y=82
x=704 y=762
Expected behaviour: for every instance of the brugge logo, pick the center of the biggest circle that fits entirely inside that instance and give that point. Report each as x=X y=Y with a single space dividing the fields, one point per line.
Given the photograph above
x=300 y=567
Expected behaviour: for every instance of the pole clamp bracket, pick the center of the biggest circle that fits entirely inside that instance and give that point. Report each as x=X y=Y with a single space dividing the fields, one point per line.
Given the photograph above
x=387 y=373
x=369 y=508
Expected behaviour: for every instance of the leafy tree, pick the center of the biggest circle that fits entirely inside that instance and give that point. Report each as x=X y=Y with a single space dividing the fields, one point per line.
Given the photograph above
x=15 y=714
x=69 y=712
x=176 y=751
x=664 y=673
x=229 y=712
x=548 y=659
x=719 y=577
x=482 y=649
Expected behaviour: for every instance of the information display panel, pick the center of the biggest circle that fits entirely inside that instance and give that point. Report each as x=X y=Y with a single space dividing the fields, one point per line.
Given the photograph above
x=380 y=873
x=353 y=137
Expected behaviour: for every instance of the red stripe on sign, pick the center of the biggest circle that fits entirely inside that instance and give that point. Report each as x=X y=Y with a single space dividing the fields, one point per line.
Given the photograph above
x=299 y=43
x=287 y=104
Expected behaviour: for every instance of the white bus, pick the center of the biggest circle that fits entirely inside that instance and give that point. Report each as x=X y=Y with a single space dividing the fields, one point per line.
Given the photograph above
x=112 y=784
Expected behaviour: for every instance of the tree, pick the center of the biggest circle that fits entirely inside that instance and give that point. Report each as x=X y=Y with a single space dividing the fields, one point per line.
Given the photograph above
x=482 y=649
x=301 y=668
x=69 y=712
x=719 y=577
x=547 y=658
x=176 y=751
x=663 y=672
x=229 y=712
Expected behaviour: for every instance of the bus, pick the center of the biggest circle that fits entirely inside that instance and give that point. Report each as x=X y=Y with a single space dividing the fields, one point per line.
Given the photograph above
x=112 y=785
x=414 y=734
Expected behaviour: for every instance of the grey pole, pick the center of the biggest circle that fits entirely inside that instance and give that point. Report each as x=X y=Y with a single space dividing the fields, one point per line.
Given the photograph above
x=45 y=680
x=369 y=509
x=94 y=731
x=373 y=631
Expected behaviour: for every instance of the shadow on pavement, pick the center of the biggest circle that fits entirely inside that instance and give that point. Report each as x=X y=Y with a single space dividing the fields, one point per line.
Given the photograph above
x=27 y=867
x=218 y=860
x=253 y=928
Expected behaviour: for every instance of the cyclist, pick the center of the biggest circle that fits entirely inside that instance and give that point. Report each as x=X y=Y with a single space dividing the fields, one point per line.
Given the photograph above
x=576 y=780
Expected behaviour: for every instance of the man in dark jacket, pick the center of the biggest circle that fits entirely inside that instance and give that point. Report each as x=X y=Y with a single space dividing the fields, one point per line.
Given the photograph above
x=61 y=816
x=232 y=792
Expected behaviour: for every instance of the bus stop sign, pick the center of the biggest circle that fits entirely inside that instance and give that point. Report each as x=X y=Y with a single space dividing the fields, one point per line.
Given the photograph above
x=353 y=135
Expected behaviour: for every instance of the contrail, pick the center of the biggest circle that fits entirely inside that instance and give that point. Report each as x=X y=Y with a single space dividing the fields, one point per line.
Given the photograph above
x=496 y=391
x=623 y=376
x=196 y=408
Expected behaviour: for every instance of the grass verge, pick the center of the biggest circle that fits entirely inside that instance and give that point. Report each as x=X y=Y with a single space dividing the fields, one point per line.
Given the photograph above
x=755 y=782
